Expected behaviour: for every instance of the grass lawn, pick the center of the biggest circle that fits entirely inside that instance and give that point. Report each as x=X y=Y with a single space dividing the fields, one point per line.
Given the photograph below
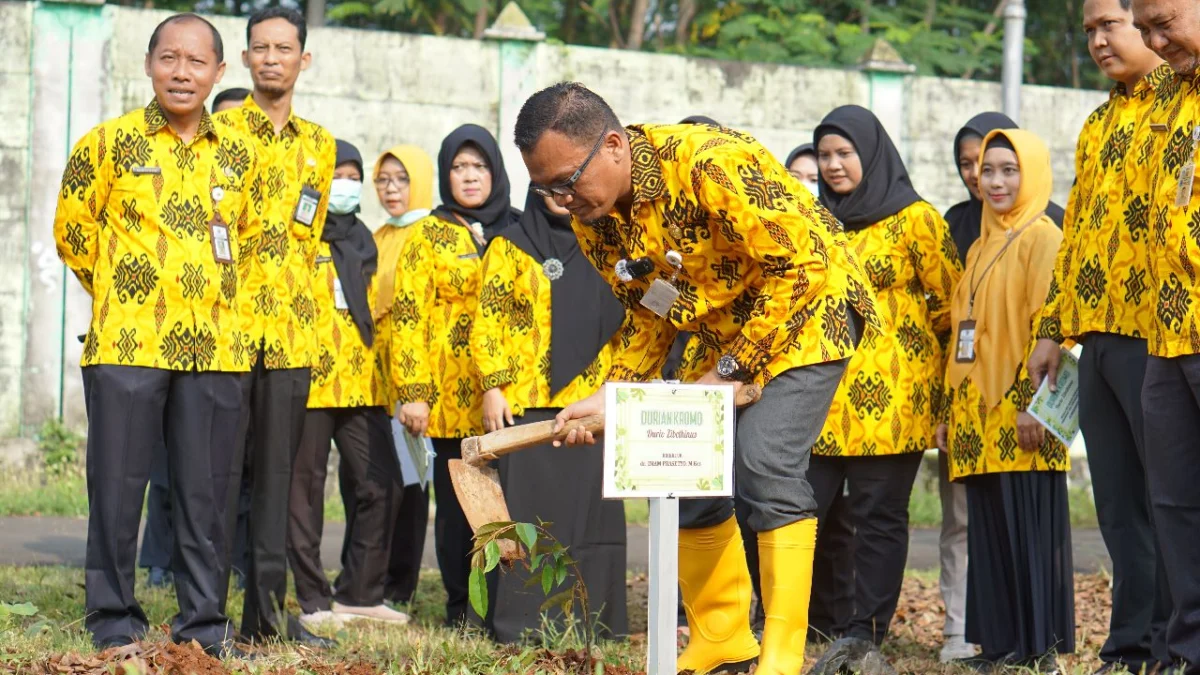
x=53 y=640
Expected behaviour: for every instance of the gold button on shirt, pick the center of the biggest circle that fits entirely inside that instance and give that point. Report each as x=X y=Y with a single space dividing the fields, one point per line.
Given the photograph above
x=1102 y=274
x=277 y=270
x=766 y=276
x=132 y=224
x=1174 y=247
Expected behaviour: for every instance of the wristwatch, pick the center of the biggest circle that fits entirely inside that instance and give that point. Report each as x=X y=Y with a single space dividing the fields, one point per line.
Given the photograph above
x=728 y=368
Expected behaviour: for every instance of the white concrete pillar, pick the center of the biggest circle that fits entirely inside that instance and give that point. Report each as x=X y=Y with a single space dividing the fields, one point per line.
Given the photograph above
x=518 y=81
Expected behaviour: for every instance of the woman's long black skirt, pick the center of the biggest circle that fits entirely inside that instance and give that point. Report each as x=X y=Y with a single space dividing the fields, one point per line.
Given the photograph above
x=1020 y=576
x=563 y=486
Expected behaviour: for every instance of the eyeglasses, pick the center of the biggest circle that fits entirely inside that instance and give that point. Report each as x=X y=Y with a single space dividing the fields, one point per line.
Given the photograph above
x=567 y=187
x=384 y=181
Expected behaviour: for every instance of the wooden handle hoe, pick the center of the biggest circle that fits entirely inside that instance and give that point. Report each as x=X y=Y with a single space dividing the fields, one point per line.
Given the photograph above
x=477 y=485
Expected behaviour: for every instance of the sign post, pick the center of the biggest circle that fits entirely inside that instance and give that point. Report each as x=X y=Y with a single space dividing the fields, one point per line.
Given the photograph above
x=662 y=442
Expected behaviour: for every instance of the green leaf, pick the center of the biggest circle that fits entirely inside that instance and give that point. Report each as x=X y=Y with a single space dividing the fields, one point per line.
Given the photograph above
x=534 y=561
x=477 y=591
x=492 y=554
x=560 y=574
x=22 y=609
x=547 y=579
x=563 y=598
x=528 y=534
x=489 y=528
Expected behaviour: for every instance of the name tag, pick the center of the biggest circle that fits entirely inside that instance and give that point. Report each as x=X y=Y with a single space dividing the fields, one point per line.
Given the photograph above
x=966 y=342
x=1158 y=128
x=1183 y=191
x=306 y=208
x=468 y=256
x=147 y=171
x=322 y=259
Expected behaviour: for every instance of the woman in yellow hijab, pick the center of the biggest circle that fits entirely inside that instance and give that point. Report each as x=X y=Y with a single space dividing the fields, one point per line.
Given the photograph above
x=403 y=178
x=1020 y=594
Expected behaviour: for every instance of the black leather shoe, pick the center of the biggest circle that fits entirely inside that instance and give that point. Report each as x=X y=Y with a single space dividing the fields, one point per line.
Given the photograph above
x=300 y=635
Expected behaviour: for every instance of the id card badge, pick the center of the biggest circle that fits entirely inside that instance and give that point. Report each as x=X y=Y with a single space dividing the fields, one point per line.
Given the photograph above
x=306 y=208
x=339 y=296
x=966 y=342
x=1183 y=191
x=660 y=297
x=218 y=234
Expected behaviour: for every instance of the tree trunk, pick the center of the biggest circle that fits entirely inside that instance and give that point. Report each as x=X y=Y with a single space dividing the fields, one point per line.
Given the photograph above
x=865 y=19
x=683 y=24
x=614 y=20
x=1071 y=44
x=930 y=13
x=570 y=8
x=481 y=19
x=637 y=24
x=315 y=14
x=987 y=30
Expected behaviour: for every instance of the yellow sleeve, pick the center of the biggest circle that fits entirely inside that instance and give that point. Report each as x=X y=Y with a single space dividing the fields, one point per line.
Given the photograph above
x=412 y=304
x=773 y=234
x=81 y=199
x=935 y=258
x=1048 y=324
x=490 y=332
x=645 y=339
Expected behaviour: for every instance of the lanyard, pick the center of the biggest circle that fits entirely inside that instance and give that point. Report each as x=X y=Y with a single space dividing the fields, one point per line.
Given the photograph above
x=977 y=279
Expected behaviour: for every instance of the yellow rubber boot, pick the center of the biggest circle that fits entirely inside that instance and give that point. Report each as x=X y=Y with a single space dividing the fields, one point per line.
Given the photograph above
x=716 y=588
x=786 y=560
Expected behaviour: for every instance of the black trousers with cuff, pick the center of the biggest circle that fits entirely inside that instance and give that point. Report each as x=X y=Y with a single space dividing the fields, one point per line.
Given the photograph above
x=131 y=410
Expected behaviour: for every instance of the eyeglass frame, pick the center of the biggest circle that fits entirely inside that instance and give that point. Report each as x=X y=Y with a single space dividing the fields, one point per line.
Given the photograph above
x=399 y=182
x=566 y=188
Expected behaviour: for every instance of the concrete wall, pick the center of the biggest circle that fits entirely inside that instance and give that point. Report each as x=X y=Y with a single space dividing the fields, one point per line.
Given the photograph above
x=64 y=68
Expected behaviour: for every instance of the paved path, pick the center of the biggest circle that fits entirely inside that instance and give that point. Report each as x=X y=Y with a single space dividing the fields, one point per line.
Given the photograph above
x=61 y=541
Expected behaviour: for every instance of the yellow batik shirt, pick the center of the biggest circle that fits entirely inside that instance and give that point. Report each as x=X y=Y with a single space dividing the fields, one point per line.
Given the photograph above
x=277 y=273
x=1174 y=249
x=132 y=223
x=437 y=291
x=766 y=276
x=1102 y=275
x=344 y=373
x=383 y=327
x=889 y=400
x=511 y=336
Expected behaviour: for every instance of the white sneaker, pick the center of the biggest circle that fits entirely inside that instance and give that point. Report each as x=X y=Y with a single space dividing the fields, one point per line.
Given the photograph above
x=322 y=618
x=956 y=648
x=376 y=613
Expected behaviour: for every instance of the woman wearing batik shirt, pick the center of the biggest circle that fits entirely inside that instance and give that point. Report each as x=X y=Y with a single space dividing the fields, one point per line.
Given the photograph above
x=542 y=340
x=1020 y=602
x=882 y=418
x=433 y=307
x=403 y=179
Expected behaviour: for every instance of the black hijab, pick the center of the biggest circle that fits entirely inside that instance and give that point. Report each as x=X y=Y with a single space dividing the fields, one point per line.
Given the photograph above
x=803 y=149
x=885 y=188
x=354 y=254
x=965 y=217
x=584 y=313
x=496 y=212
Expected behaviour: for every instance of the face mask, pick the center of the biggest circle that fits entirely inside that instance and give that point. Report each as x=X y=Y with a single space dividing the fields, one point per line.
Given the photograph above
x=812 y=187
x=344 y=196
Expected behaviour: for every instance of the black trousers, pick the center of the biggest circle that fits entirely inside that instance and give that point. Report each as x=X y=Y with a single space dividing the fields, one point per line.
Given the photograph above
x=1171 y=401
x=1111 y=373
x=832 y=603
x=878 y=502
x=364 y=441
x=158 y=539
x=275 y=402
x=408 y=529
x=130 y=412
x=452 y=532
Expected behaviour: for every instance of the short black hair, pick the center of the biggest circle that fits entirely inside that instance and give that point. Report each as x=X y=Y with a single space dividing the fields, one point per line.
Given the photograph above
x=286 y=13
x=218 y=44
x=700 y=119
x=569 y=108
x=235 y=94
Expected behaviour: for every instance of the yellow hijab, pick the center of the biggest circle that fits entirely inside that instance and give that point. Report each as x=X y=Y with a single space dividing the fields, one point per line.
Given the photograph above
x=1014 y=290
x=390 y=238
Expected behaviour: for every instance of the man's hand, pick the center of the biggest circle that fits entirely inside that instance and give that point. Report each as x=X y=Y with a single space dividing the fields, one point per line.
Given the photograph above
x=712 y=378
x=496 y=410
x=1030 y=433
x=415 y=417
x=941 y=437
x=1044 y=362
x=592 y=405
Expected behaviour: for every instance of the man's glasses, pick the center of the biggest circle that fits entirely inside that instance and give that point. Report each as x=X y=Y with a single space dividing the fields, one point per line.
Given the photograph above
x=567 y=187
x=400 y=182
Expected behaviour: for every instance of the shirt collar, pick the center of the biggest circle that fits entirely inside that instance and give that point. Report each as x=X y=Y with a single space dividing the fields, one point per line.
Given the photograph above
x=156 y=121
x=1145 y=86
x=262 y=125
x=647 y=170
